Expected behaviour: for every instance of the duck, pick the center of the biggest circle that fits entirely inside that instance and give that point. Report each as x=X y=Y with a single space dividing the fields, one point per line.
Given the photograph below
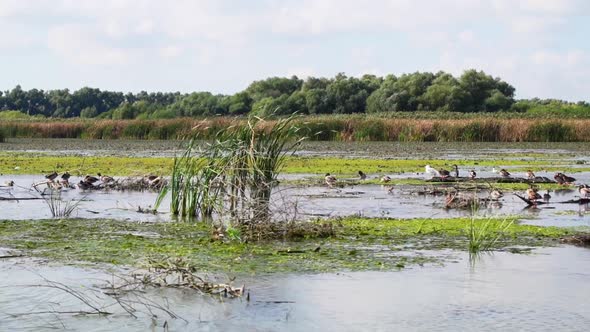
x=532 y=194
x=546 y=197
x=472 y=174
x=330 y=180
x=567 y=179
x=444 y=173
x=85 y=185
x=584 y=190
x=385 y=178
x=66 y=176
x=9 y=183
x=90 y=179
x=105 y=178
x=150 y=177
x=362 y=175
x=51 y=176
x=157 y=182
x=558 y=179
x=504 y=173
x=530 y=175
x=496 y=194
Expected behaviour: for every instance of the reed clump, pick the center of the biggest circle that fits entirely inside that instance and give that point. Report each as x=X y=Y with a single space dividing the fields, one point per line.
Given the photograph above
x=234 y=176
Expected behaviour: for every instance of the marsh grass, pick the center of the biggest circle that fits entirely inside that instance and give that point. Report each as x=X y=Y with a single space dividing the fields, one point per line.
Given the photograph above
x=58 y=207
x=410 y=126
x=484 y=235
x=234 y=175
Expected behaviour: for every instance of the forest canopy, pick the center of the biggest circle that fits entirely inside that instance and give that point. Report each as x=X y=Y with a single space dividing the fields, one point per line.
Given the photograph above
x=473 y=91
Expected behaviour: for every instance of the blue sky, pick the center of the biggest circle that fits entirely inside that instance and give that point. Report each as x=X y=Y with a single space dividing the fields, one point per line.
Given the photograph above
x=539 y=46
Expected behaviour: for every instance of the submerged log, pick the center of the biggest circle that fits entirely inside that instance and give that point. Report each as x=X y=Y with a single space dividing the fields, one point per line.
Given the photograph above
x=571 y=201
x=498 y=179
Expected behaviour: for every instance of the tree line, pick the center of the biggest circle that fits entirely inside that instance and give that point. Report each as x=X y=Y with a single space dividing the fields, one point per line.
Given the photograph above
x=473 y=91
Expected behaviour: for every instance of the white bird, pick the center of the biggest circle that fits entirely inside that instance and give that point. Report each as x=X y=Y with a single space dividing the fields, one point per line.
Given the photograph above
x=431 y=171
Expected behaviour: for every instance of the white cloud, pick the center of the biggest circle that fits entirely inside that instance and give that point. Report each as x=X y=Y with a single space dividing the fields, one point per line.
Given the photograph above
x=170 y=51
x=79 y=44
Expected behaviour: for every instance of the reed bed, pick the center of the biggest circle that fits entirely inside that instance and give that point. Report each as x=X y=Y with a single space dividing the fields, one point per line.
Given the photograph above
x=319 y=128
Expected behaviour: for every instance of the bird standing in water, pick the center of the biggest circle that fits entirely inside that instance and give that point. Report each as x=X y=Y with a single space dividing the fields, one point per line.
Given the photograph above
x=546 y=197
x=330 y=180
x=533 y=195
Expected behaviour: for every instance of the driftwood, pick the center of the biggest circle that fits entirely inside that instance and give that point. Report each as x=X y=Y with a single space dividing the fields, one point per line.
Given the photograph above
x=19 y=198
x=538 y=179
x=571 y=201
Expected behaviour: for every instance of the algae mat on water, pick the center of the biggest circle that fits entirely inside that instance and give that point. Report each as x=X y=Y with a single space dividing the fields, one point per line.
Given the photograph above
x=358 y=244
x=35 y=163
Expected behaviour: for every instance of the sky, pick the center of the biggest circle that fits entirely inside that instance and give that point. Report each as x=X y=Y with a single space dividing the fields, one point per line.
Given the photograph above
x=541 y=47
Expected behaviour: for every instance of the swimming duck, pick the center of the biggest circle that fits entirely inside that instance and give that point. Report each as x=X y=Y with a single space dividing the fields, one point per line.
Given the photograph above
x=472 y=174
x=532 y=194
x=105 y=178
x=385 y=178
x=496 y=194
x=584 y=190
x=51 y=176
x=362 y=175
x=90 y=179
x=330 y=180
x=504 y=173
x=530 y=175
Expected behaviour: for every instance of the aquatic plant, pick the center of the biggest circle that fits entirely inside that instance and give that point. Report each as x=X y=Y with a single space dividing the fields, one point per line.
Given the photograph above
x=233 y=175
x=58 y=207
x=483 y=235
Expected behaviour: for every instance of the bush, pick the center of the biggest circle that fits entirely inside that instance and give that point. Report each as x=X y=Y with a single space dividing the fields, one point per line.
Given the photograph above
x=550 y=132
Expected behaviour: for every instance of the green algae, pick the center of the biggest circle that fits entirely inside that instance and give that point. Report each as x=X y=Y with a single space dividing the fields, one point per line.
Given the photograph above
x=358 y=244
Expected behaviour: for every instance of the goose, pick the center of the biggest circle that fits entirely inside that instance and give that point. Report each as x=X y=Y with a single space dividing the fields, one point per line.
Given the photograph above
x=546 y=197
x=66 y=176
x=431 y=171
x=456 y=170
x=330 y=180
x=90 y=179
x=362 y=175
x=496 y=194
x=504 y=173
x=385 y=178
x=530 y=175
x=10 y=183
x=584 y=190
x=472 y=174
x=51 y=176
x=105 y=178
x=532 y=194
x=85 y=185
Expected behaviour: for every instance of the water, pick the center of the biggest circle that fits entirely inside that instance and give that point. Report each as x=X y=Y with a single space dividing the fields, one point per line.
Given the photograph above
x=543 y=291
x=305 y=202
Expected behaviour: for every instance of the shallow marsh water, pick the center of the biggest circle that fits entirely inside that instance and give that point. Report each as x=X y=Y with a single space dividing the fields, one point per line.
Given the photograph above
x=543 y=291
x=302 y=201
